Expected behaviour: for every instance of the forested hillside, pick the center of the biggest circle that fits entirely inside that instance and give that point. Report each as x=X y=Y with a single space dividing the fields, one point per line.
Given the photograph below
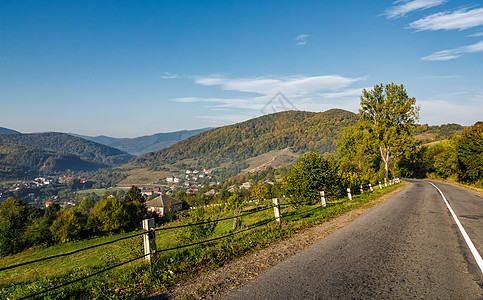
x=67 y=144
x=4 y=130
x=19 y=160
x=300 y=131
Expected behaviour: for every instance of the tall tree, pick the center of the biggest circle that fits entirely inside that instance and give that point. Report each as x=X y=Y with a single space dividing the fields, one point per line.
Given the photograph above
x=389 y=114
x=469 y=153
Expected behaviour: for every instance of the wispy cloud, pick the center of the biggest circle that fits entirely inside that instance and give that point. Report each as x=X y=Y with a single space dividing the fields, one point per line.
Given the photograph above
x=478 y=34
x=406 y=7
x=302 y=39
x=168 y=75
x=461 y=19
x=454 y=53
x=302 y=91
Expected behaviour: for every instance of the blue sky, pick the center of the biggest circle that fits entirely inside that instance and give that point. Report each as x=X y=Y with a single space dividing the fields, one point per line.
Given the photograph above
x=132 y=68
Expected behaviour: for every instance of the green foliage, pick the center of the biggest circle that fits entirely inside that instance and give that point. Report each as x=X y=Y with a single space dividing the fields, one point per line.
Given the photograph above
x=134 y=194
x=234 y=202
x=109 y=215
x=260 y=192
x=195 y=233
x=87 y=205
x=389 y=114
x=312 y=174
x=70 y=224
x=13 y=221
x=469 y=153
x=112 y=214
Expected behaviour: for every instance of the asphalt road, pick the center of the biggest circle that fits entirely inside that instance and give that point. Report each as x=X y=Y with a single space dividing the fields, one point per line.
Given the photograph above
x=408 y=247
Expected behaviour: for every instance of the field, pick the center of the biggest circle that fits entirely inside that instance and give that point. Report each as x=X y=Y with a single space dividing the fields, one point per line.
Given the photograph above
x=140 y=278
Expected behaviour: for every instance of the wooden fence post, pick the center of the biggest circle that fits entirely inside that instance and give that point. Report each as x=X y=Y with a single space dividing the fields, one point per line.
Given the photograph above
x=349 y=193
x=149 y=239
x=276 y=209
x=322 y=198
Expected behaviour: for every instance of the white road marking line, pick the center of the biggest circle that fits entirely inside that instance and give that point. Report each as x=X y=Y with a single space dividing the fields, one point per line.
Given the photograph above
x=472 y=247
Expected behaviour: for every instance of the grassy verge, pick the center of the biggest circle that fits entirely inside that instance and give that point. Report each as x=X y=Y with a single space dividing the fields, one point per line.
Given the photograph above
x=473 y=187
x=138 y=278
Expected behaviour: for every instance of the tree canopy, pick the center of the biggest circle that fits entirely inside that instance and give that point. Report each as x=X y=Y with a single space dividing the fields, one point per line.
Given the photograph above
x=389 y=115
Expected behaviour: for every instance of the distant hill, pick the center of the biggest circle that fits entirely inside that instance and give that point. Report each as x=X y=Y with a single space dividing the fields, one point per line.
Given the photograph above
x=144 y=144
x=4 y=130
x=428 y=134
x=18 y=160
x=101 y=139
x=299 y=131
x=63 y=143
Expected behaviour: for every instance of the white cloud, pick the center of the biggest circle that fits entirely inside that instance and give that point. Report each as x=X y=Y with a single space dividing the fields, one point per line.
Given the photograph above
x=454 y=53
x=302 y=92
x=290 y=86
x=478 y=34
x=461 y=19
x=168 y=75
x=302 y=39
x=401 y=10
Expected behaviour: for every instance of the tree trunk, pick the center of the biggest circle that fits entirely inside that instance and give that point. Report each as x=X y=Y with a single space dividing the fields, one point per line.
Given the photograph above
x=237 y=219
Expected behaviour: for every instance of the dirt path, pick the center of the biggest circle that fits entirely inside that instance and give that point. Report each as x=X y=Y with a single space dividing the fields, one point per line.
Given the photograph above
x=213 y=284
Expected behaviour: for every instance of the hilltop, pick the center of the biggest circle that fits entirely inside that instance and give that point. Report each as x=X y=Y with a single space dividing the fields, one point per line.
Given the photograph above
x=26 y=154
x=67 y=144
x=4 y=130
x=18 y=160
x=297 y=131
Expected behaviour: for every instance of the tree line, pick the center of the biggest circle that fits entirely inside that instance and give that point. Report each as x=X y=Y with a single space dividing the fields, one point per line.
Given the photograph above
x=23 y=226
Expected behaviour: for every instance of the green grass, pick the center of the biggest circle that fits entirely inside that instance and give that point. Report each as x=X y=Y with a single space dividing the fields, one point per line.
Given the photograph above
x=102 y=191
x=140 y=278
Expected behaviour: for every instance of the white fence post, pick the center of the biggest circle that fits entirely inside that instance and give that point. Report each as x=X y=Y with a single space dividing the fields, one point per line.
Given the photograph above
x=149 y=238
x=385 y=182
x=349 y=193
x=322 y=198
x=362 y=190
x=276 y=209
x=370 y=187
x=380 y=185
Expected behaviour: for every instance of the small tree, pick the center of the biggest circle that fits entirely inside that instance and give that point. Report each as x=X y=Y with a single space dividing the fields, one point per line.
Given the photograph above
x=198 y=232
x=69 y=224
x=134 y=194
x=235 y=203
x=259 y=192
x=312 y=174
x=13 y=217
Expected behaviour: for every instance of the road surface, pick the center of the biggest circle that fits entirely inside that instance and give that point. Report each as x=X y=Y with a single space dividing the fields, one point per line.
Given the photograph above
x=408 y=247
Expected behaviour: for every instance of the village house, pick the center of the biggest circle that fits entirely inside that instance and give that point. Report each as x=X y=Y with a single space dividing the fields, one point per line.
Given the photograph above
x=164 y=204
x=245 y=185
x=147 y=192
x=172 y=178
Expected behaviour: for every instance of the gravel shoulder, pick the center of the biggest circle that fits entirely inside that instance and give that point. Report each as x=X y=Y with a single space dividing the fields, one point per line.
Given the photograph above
x=215 y=283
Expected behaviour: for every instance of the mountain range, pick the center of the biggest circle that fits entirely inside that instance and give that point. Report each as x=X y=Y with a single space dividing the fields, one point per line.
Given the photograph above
x=144 y=144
